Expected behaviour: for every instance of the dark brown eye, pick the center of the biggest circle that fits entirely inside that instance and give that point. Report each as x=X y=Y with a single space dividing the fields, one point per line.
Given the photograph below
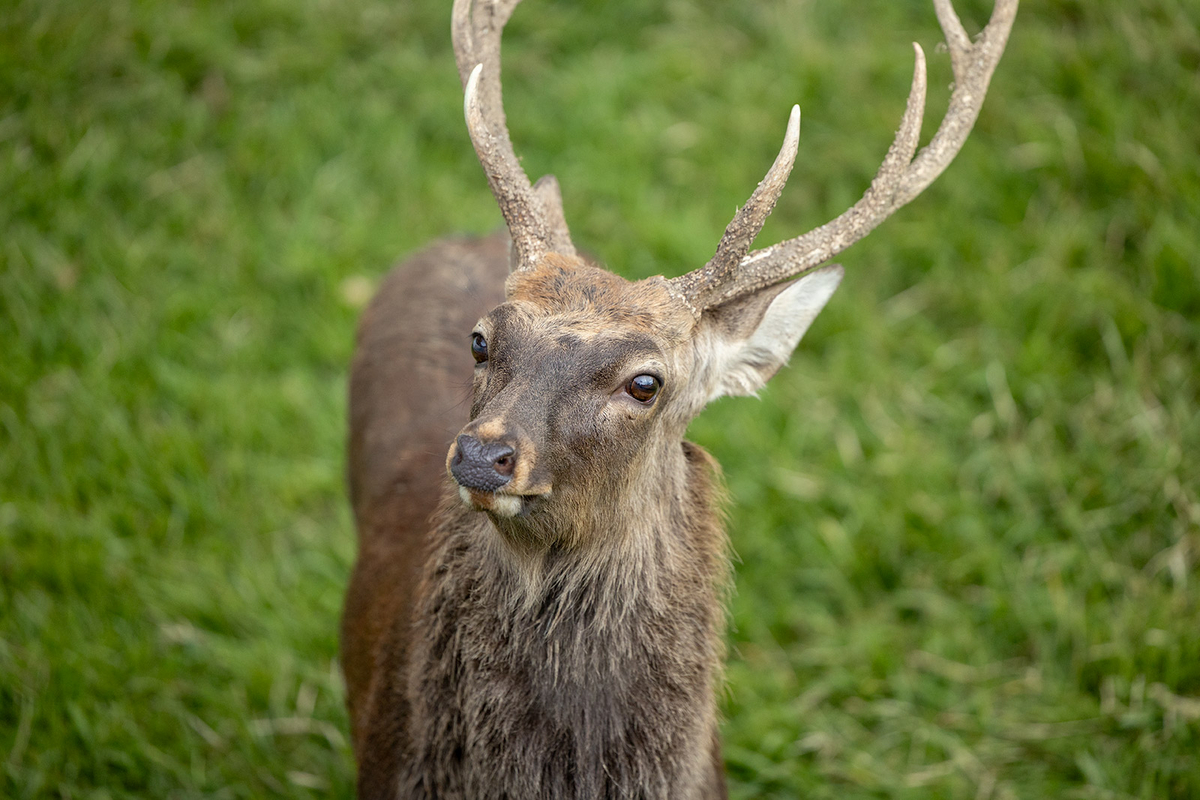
x=644 y=388
x=479 y=347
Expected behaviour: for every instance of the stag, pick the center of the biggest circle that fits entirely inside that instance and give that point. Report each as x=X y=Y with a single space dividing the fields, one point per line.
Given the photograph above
x=536 y=609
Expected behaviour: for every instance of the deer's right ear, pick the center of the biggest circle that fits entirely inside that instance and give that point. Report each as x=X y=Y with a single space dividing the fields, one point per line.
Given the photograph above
x=752 y=336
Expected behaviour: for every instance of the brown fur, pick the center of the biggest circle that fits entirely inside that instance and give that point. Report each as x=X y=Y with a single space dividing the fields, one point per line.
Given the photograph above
x=409 y=393
x=570 y=652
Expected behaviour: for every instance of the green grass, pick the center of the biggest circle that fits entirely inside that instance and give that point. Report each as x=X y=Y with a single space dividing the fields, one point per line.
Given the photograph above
x=967 y=516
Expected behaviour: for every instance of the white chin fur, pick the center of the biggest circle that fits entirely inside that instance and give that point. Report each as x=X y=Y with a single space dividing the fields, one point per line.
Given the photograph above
x=502 y=505
x=506 y=505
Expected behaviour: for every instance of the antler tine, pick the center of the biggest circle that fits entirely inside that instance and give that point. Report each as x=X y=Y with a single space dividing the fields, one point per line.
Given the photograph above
x=973 y=66
x=534 y=214
x=748 y=221
x=900 y=177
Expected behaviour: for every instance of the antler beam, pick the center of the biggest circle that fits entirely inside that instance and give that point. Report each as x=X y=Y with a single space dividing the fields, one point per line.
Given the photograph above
x=533 y=212
x=733 y=272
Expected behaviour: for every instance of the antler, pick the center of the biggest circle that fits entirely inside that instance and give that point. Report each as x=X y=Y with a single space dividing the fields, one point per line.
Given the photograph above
x=534 y=213
x=731 y=272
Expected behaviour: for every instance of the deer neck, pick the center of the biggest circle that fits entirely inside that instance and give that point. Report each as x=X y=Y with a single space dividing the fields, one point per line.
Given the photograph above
x=604 y=657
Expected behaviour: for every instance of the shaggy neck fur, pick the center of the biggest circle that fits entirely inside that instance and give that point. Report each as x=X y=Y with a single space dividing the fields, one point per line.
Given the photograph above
x=574 y=672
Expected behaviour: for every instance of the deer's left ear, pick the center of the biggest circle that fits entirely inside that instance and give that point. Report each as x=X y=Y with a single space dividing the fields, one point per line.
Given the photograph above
x=749 y=338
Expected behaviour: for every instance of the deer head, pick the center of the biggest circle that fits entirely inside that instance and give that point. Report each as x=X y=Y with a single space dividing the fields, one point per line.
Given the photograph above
x=585 y=382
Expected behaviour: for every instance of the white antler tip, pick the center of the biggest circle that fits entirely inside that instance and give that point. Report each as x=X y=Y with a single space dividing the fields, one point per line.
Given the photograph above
x=469 y=91
x=793 y=126
x=919 y=52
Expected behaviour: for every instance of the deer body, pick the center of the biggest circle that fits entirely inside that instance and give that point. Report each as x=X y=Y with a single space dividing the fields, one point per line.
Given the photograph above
x=536 y=609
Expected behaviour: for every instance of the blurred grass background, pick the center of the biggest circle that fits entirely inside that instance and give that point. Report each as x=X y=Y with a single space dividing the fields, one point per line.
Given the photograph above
x=966 y=517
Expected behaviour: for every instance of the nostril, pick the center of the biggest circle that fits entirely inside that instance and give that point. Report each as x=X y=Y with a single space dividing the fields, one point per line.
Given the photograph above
x=504 y=462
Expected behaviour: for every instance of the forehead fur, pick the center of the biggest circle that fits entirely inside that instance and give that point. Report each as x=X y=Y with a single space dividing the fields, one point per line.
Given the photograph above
x=598 y=300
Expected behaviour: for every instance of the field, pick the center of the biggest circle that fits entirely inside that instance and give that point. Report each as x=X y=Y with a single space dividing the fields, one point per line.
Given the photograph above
x=966 y=517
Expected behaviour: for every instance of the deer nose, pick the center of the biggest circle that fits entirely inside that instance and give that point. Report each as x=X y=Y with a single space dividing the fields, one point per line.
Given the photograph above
x=483 y=467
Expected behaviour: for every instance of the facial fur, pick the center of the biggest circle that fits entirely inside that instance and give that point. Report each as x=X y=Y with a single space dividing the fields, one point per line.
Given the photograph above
x=555 y=385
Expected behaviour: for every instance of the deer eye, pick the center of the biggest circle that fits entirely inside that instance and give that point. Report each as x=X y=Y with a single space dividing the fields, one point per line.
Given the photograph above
x=644 y=388
x=479 y=348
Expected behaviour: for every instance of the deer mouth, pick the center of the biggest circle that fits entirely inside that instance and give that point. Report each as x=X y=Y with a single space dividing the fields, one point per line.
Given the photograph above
x=500 y=504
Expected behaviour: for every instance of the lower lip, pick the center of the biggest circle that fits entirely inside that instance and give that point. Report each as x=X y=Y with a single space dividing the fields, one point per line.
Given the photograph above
x=502 y=505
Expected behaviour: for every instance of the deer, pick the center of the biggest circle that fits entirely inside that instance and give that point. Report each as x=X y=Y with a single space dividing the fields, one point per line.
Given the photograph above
x=537 y=606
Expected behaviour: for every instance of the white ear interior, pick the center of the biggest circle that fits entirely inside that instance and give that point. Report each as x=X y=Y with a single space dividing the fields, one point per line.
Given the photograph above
x=750 y=362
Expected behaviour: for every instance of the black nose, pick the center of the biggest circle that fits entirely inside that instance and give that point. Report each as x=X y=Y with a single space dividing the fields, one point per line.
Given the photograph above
x=483 y=467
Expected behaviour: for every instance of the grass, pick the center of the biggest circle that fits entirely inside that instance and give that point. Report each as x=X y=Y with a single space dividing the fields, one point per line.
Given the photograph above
x=966 y=517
